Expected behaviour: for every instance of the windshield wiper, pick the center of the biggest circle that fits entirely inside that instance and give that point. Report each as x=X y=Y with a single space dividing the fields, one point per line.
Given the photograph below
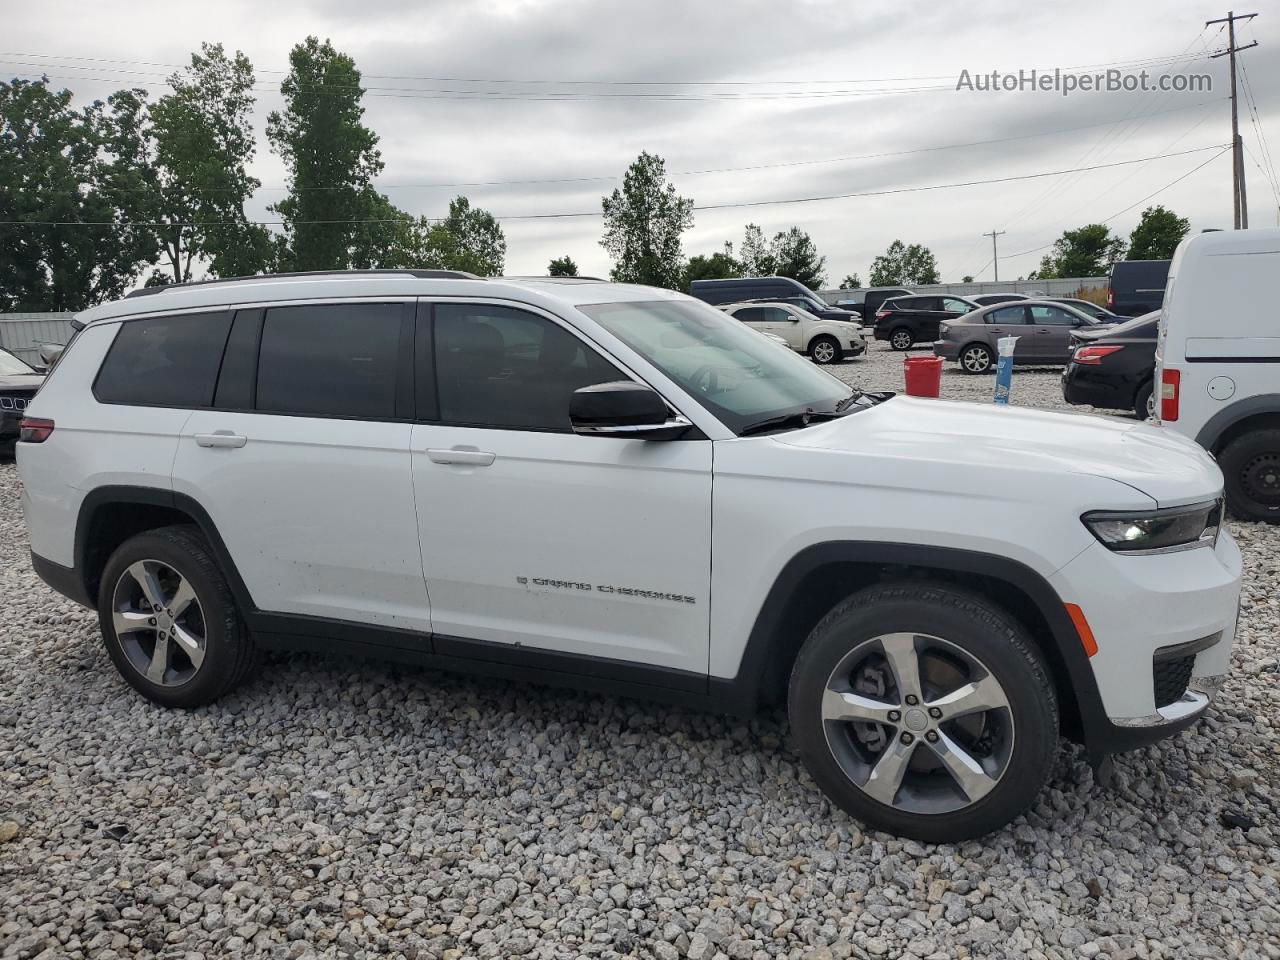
x=801 y=418
x=852 y=398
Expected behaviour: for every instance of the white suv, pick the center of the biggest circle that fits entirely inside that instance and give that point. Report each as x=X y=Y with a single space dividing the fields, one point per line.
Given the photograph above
x=1218 y=361
x=624 y=489
x=825 y=341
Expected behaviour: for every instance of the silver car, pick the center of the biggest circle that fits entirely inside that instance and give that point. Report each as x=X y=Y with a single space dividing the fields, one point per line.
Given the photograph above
x=1043 y=329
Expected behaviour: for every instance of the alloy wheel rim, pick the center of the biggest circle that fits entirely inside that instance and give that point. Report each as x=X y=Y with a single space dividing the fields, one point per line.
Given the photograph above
x=901 y=341
x=159 y=622
x=918 y=723
x=975 y=360
x=822 y=352
x=1151 y=405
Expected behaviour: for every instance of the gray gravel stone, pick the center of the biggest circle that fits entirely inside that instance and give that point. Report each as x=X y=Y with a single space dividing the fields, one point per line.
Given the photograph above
x=360 y=810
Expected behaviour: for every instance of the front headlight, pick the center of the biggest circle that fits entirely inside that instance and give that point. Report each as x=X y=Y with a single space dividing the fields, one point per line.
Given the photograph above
x=1157 y=531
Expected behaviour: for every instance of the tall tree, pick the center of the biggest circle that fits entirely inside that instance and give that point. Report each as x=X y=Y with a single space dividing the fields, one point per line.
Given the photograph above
x=900 y=264
x=330 y=155
x=470 y=239
x=70 y=199
x=1087 y=251
x=851 y=281
x=756 y=258
x=1157 y=234
x=562 y=267
x=643 y=222
x=795 y=255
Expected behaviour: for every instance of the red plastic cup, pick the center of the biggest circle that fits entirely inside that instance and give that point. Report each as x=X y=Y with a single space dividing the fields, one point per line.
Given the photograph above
x=923 y=376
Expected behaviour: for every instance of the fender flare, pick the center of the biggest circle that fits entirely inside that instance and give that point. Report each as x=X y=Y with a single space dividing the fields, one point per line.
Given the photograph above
x=1225 y=419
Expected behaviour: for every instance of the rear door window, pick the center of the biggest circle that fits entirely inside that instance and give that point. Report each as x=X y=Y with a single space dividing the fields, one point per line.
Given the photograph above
x=164 y=361
x=1008 y=315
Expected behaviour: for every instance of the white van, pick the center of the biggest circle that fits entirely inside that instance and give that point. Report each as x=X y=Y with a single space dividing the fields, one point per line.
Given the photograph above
x=1218 y=361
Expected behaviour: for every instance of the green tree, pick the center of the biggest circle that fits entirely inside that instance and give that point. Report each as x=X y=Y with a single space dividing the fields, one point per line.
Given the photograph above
x=756 y=258
x=717 y=266
x=967 y=278
x=562 y=267
x=469 y=239
x=851 y=281
x=796 y=256
x=1087 y=251
x=903 y=264
x=68 y=197
x=203 y=141
x=331 y=158
x=643 y=222
x=1157 y=234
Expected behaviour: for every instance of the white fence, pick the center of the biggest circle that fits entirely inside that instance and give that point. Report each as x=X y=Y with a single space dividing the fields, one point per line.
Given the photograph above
x=22 y=333
x=1065 y=287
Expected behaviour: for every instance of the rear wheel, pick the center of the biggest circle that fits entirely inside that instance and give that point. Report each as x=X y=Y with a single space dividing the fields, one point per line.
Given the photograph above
x=976 y=358
x=824 y=350
x=925 y=711
x=1144 y=403
x=1251 y=467
x=901 y=339
x=169 y=620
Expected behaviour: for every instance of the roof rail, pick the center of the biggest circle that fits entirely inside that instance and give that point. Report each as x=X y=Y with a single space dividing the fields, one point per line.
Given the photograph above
x=405 y=271
x=530 y=276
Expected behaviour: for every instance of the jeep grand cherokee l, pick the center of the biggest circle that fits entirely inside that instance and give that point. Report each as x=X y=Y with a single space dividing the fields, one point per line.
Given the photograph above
x=578 y=482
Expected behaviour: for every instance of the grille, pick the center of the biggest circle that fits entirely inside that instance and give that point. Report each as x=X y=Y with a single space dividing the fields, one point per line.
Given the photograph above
x=1170 y=679
x=14 y=401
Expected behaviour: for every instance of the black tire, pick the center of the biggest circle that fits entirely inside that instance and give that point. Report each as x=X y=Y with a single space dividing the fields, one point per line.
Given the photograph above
x=976 y=358
x=228 y=653
x=1142 y=401
x=1251 y=467
x=978 y=628
x=901 y=339
x=824 y=350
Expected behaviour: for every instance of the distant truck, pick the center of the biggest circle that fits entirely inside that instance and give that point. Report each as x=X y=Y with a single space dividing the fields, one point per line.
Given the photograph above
x=768 y=290
x=1137 y=286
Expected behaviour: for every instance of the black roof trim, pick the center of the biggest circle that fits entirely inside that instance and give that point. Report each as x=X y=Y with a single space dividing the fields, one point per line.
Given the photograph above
x=396 y=271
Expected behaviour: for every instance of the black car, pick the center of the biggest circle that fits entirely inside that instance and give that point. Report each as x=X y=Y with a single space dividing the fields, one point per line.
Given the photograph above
x=1089 y=307
x=846 y=314
x=18 y=384
x=1137 y=286
x=989 y=299
x=872 y=299
x=1114 y=367
x=907 y=321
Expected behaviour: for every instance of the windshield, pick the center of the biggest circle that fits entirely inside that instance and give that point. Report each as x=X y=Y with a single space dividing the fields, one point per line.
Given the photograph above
x=11 y=365
x=738 y=375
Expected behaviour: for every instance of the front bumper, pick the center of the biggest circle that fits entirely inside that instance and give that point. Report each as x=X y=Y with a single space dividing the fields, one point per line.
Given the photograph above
x=1144 y=609
x=855 y=348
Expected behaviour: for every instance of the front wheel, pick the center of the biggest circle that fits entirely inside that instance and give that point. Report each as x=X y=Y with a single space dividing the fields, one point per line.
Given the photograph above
x=925 y=711
x=1144 y=402
x=169 y=620
x=901 y=339
x=1251 y=467
x=976 y=358
x=824 y=350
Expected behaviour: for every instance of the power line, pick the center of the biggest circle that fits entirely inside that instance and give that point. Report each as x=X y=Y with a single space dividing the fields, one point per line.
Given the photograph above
x=596 y=213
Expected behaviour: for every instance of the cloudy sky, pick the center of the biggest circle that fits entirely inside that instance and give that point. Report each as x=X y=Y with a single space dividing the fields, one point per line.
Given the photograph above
x=820 y=98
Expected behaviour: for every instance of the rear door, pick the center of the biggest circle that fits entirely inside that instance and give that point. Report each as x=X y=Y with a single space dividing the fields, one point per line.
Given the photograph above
x=1010 y=321
x=303 y=462
x=1051 y=338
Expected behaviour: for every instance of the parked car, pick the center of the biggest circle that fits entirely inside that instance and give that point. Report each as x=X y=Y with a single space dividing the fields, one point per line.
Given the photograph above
x=768 y=290
x=19 y=382
x=1043 y=330
x=1218 y=361
x=1137 y=286
x=988 y=299
x=519 y=478
x=906 y=321
x=1113 y=366
x=872 y=300
x=1087 y=306
x=825 y=341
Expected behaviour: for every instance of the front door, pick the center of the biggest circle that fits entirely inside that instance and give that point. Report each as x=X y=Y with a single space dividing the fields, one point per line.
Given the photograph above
x=1052 y=338
x=592 y=548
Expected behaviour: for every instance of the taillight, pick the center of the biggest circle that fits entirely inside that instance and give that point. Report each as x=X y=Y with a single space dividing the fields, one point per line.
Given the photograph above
x=1170 y=380
x=1093 y=355
x=34 y=430
x=1111 y=297
x=881 y=314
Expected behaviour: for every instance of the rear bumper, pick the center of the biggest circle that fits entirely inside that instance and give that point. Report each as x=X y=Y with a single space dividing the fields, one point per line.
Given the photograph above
x=1081 y=385
x=946 y=349
x=66 y=580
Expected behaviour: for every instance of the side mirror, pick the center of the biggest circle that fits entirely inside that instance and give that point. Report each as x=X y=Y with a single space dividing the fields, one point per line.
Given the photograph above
x=623 y=409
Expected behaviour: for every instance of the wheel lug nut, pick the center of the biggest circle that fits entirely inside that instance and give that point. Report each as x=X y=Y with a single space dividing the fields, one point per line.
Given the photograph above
x=906 y=737
x=152 y=621
x=932 y=736
x=894 y=716
x=156 y=608
x=935 y=713
x=912 y=699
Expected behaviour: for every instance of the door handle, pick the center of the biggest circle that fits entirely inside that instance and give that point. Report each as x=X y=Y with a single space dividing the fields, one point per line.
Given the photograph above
x=459 y=455
x=221 y=438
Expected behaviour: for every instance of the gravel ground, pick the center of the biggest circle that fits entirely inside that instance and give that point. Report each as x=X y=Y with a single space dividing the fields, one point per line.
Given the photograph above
x=366 y=810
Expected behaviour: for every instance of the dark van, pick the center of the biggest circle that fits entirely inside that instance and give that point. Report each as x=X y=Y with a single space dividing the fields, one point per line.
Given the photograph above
x=770 y=289
x=1137 y=286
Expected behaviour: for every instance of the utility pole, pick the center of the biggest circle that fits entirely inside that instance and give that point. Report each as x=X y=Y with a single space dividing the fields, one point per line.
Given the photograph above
x=1239 y=201
x=995 y=257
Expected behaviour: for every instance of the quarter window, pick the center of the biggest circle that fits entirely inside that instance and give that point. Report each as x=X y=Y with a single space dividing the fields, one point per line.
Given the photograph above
x=164 y=361
x=333 y=360
x=508 y=369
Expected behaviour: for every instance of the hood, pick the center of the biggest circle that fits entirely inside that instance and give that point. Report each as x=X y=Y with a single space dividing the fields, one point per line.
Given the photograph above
x=21 y=381
x=1165 y=466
